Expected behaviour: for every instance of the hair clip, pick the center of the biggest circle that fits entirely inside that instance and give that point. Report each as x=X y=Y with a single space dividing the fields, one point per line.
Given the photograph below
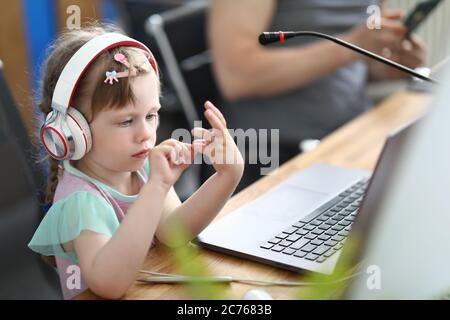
x=112 y=76
x=119 y=57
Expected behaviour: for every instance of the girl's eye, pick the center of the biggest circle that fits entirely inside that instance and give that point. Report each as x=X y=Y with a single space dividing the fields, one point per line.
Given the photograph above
x=126 y=123
x=152 y=116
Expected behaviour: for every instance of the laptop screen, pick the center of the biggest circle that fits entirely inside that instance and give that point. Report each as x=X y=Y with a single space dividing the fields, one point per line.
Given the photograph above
x=403 y=225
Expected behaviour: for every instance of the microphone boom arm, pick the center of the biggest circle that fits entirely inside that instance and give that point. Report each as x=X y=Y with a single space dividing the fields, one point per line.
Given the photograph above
x=270 y=37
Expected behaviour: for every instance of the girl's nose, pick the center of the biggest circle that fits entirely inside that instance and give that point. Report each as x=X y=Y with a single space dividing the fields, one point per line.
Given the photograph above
x=145 y=132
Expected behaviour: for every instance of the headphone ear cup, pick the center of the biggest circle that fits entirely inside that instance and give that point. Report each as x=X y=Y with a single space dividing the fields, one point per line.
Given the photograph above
x=80 y=132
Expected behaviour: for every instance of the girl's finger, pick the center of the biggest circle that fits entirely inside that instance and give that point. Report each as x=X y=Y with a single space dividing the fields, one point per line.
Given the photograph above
x=213 y=120
x=174 y=157
x=198 y=146
x=187 y=153
x=170 y=142
x=209 y=105
x=202 y=133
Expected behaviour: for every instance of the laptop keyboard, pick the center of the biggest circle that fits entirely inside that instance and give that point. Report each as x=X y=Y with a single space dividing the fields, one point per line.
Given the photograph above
x=322 y=233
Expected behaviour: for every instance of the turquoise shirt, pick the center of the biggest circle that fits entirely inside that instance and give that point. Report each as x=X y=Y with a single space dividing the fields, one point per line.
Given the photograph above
x=80 y=203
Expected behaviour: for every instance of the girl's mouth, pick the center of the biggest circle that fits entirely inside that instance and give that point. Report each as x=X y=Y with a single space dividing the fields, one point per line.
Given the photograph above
x=142 y=154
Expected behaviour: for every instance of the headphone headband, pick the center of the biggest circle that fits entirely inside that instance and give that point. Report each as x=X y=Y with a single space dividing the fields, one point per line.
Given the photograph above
x=65 y=133
x=80 y=61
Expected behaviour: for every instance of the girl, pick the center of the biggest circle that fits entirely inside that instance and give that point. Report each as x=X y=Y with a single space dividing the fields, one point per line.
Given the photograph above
x=113 y=204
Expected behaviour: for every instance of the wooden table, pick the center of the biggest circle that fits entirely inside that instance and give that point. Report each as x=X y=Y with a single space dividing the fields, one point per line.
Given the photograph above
x=355 y=145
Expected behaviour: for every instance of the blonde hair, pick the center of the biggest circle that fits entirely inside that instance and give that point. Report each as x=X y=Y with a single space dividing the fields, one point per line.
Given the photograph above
x=92 y=94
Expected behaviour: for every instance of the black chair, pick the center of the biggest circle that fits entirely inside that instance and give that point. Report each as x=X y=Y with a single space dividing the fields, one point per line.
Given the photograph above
x=23 y=273
x=180 y=35
x=11 y=124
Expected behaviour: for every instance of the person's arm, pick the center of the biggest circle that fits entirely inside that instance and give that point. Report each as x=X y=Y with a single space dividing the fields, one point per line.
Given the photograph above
x=244 y=68
x=201 y=208
x=110 y=265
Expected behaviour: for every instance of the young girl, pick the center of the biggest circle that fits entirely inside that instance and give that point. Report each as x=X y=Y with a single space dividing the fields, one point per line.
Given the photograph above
x=118 y=200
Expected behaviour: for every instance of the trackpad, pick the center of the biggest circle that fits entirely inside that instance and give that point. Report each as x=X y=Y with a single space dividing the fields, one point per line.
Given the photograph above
x=287 y=202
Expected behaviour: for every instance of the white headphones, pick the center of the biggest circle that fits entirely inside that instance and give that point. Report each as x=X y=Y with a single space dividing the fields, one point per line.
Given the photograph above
x=65 y=132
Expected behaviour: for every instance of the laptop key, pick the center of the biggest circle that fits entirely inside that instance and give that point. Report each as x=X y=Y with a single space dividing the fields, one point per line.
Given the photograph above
x=324 y=227
x=290 y=230
x=298 y=224
x=288 y=251
x=308 y=248
x=337 y=238
x=315 y=223
x=321 y=259
x=328 y=214
x=274 y=240
x=331 y=232
x=331 y=243
x=299 y=243
x=337 y=227
x=300 y=254
x=267 y=245
x=311 y=256
x=329 y=253
x=344 y=223
x=324 y=237
x=302 y=232
x=282 y=236
x=285 y=243
x=308 y=218
x=317 y=231
x=316 y=242
x=278 y=248
x=308 y=227
x=321 y=250
x=310 y=236
x=293 y=237
x=342 y=215
x=344 y=193
x=343 y=233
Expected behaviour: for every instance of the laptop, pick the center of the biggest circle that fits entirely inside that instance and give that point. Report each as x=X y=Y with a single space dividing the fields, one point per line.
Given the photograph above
x=303 y=223
x=299 y=225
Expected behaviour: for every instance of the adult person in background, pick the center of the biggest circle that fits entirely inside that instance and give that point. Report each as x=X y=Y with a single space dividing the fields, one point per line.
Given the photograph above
x=305 y=87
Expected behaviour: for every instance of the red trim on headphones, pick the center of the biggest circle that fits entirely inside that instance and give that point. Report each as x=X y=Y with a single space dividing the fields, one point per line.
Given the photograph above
x=81 y=129
x=45 y=144
x=281 y=36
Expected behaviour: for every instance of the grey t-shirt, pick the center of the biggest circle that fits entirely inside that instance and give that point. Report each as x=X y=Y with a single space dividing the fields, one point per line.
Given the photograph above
x=314 y=110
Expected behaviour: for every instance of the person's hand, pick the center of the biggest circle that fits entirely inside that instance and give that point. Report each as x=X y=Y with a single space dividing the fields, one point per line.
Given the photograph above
x=390 y=42
x=218 y=144
x=169 y=159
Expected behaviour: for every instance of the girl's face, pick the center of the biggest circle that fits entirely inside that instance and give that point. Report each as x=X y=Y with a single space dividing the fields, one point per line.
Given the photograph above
x=122 y=137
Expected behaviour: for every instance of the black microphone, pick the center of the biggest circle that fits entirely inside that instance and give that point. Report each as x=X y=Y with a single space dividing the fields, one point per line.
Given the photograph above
x=271 y=37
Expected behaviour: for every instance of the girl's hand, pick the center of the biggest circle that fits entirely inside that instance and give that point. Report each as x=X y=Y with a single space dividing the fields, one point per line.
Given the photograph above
x=218 y=145
x=169 y=159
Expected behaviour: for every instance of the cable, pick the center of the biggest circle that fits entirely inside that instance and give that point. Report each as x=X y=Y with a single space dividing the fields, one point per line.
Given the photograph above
x=177 y=278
